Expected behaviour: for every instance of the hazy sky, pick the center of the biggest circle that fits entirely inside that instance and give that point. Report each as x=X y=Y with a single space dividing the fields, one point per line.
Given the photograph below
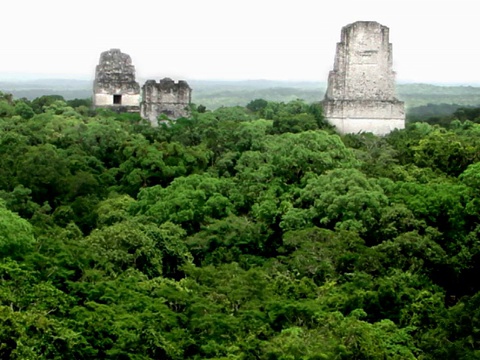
x=433 y=41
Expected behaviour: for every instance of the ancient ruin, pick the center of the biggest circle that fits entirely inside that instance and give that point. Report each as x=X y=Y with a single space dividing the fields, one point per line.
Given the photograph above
x=115 y=86
x=167 y=98
x=361 y=88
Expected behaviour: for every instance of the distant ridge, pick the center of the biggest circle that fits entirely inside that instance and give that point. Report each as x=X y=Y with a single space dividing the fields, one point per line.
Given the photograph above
x=217 y=93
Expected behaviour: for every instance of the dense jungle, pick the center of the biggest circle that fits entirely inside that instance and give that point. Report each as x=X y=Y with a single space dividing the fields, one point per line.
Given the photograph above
x=242 y=232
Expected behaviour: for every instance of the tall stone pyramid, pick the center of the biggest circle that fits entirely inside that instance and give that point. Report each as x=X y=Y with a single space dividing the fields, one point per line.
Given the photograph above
x=361 y=88
x=115 y=86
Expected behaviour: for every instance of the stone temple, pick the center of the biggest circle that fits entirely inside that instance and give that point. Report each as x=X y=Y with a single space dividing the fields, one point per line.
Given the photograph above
x=167 y=97
x=115 y=88
x=360 y=95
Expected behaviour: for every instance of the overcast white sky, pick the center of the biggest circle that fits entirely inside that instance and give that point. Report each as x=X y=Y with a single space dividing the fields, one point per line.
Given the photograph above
x=433 y=40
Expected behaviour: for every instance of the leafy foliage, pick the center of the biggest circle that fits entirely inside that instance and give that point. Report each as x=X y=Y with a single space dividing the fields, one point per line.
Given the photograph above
x=240 y=233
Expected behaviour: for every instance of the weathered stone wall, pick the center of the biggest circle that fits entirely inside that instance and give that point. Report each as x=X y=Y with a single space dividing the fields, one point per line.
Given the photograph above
x=106 y=100
x=378 y=117
x=167 y=97
x=115 y=86
x=361 y=88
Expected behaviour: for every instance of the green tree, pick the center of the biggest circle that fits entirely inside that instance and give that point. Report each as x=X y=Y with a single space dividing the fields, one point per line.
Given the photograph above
x=24 y=110
x=446 y=151
x=190 y=201
x=340 y=199
x=43 y=169
x=16 y=234
x=257 y=105
x=124 y=245
x=39 y=104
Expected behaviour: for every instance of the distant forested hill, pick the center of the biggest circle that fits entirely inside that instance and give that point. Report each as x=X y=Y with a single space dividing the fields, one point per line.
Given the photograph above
x=215 y=94
x=212 y=94
x=422 y=94
x=31 y=89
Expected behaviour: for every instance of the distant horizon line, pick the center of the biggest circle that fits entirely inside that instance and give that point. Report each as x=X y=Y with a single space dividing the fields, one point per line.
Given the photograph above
x=17 y=77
